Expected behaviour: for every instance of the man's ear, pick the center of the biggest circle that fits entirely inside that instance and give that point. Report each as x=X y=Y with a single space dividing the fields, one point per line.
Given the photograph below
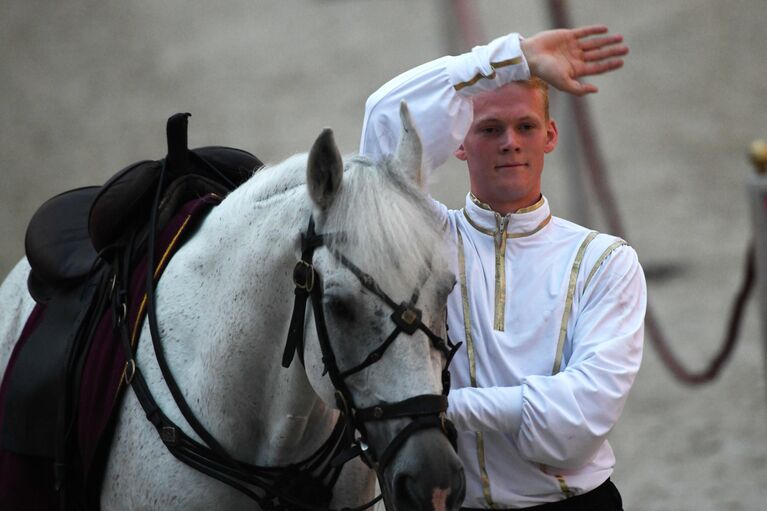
x=460 y=153
x=552 y=136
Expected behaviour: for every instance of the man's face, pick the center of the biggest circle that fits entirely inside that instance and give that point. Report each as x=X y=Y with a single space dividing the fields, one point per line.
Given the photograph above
x=505 y=145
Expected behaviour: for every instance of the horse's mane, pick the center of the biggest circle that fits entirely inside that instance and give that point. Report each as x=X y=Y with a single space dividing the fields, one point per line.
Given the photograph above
x=273 y=180
x=384 y=219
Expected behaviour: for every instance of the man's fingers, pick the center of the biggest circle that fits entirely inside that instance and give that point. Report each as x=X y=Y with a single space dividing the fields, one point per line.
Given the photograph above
x=596 y=68
x=605 y=53
x=589 y=30
x=599 y=42
x=578 y=88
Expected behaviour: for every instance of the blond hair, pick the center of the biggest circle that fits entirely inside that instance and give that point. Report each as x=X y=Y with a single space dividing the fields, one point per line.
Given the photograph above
x=536 y=83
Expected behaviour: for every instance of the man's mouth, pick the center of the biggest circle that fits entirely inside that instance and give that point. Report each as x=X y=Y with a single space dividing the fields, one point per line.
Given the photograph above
x=511 y=165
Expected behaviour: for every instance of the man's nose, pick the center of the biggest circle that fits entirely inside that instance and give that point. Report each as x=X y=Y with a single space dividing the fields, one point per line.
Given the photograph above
x=509 y=143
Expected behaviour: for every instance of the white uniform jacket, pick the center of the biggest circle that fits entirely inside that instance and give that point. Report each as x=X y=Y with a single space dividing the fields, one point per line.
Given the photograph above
x=551 y=314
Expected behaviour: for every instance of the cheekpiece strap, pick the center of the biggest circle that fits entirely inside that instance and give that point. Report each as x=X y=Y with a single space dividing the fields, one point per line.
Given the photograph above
x=309 y=241
x=304 y=277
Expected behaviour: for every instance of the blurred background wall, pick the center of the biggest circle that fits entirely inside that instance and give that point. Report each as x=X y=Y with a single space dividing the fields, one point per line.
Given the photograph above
x=86 y=86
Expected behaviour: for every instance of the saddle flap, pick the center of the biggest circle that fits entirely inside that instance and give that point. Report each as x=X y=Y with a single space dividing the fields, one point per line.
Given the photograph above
x=57 y=243
x=37 y=385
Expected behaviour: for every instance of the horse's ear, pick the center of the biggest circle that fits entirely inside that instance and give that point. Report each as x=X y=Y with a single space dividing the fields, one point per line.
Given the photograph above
x=409 y=151
x=324 y=170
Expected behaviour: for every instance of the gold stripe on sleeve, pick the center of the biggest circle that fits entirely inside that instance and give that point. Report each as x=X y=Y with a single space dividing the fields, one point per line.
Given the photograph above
x=569 y=300
x=495 y=65
x=566 y=491
x=472 y=369
x=601 y=259
x=563 y=487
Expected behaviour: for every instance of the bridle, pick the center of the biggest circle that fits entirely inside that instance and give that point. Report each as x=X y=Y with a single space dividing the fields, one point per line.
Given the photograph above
x=426 y=411
x=288 y=487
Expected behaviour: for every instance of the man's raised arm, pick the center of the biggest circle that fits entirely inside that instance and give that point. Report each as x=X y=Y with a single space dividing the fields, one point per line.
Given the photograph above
x=439 y=92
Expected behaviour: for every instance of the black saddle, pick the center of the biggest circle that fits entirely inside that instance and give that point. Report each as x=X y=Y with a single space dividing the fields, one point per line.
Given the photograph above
x=68 y=231
x=70 y=242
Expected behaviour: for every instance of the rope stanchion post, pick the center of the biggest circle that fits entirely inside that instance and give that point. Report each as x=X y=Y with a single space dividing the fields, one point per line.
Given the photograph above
x=757 y=191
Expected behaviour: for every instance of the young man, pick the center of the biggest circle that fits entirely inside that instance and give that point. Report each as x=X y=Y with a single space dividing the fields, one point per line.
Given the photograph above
x=551 y=314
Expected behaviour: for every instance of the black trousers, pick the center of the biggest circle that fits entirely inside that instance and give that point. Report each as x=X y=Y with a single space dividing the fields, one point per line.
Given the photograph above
x=604 y=497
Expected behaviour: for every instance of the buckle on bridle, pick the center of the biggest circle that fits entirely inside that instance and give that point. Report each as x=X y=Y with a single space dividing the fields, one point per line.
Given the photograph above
x=129 y=371
x=303 y=276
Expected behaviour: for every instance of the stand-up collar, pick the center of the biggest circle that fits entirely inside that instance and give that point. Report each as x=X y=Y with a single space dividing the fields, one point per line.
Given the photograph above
x=523 y=222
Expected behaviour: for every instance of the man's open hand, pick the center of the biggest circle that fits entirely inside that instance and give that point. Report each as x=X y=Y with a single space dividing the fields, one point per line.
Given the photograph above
x=562 y=56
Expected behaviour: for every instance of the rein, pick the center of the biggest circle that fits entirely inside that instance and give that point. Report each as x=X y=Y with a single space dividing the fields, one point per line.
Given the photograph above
x=282 y=487
x=426 y=411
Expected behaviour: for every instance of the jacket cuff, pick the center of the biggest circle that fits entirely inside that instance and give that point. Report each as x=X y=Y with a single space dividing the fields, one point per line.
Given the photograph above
x=486 y=409
x=488 y=67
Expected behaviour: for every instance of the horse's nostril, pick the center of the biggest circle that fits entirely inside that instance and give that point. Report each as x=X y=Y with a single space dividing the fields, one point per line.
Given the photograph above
x=455 y=499
x=412 y=494
x=407 y=493
x=426 y=475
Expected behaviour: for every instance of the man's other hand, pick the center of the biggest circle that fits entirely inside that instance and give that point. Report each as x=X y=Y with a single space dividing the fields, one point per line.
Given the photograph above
x=562 y=56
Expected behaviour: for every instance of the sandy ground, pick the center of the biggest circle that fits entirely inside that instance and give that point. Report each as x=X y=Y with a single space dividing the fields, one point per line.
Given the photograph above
x=85 y=88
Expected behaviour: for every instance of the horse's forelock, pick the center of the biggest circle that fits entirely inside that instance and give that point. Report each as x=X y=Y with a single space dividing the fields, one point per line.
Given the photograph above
x=379 y=219
x=389 y=225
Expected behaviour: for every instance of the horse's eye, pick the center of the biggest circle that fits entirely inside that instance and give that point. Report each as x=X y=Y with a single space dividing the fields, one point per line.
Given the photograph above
x=339 y=308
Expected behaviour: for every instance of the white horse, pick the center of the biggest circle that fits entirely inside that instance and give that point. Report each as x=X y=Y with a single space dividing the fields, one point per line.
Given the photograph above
x=224 y=304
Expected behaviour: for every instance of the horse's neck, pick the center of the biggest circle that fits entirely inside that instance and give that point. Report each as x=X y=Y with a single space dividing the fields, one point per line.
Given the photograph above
x=16 y=305
x=230 y=289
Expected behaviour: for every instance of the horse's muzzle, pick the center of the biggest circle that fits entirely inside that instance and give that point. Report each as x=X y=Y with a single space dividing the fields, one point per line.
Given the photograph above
x=426 y=474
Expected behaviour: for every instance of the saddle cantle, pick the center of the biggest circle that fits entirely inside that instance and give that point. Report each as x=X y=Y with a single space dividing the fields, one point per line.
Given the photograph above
x=70 y=243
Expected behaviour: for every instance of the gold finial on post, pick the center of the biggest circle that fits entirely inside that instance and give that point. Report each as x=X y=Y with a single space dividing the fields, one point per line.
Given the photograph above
x=758 y=154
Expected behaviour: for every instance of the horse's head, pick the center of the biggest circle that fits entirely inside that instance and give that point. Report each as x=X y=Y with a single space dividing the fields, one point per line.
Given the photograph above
x=383 y=276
